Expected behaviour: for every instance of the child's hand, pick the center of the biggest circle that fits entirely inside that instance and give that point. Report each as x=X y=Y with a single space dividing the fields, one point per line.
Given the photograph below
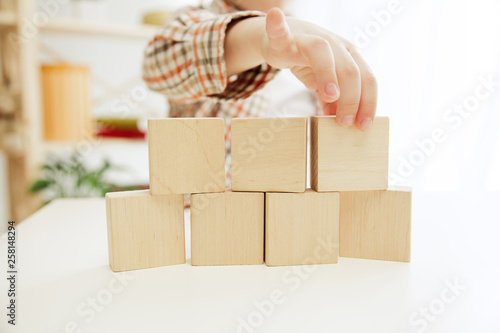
x=326 y=63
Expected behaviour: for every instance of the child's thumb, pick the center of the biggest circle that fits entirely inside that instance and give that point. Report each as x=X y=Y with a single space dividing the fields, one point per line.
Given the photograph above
x=277 y=30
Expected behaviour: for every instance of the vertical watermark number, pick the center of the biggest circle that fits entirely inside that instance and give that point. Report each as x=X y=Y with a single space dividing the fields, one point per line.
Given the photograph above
x=11 y=273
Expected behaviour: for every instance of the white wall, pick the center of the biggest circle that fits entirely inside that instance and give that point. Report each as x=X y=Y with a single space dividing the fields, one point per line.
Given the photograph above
x=430 y=56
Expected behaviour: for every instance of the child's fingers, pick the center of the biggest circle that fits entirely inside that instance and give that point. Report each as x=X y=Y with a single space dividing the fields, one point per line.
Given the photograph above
x=349 y=77
x=369 y=91
x=329 y=109
x=278 y=32
x=318 y=52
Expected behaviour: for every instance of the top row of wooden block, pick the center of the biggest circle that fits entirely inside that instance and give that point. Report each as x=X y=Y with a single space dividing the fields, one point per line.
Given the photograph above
x=187 y=155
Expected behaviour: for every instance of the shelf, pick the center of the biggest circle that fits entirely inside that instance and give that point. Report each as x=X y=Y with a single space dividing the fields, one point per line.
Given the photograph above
x=7 y=19
x=99 y=29
x=94 y=142
x=24 y=162
x=142 y=31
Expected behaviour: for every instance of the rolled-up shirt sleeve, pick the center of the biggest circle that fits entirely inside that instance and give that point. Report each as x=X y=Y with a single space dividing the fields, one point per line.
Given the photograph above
x=185 y=60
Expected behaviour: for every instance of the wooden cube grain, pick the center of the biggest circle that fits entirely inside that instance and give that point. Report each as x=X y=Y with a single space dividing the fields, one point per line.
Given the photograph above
x=348 y=159
x=302 y=228
x=376 y=224
x=144 y=231
x=186 y=155
x=269 y=154
x=227 y=228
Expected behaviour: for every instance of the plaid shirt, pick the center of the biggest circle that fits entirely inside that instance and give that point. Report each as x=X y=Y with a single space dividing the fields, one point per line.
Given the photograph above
x=185 y=61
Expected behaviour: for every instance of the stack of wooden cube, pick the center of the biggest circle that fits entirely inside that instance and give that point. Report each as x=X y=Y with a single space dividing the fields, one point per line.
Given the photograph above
x=269 y=215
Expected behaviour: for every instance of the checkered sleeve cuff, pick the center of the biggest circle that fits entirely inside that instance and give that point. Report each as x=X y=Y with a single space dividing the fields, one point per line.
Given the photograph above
x=185 y=61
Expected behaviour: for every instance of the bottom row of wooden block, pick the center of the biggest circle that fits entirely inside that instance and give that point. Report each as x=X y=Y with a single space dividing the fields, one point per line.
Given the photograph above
x=245 y=228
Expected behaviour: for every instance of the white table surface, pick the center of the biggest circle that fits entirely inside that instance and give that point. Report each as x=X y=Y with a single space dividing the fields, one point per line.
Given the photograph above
x=63 y=268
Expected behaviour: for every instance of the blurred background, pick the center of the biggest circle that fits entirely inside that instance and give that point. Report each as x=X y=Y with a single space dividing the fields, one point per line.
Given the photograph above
x=73 y=106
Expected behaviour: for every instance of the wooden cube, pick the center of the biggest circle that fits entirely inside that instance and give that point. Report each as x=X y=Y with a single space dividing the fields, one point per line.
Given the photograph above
x=376 y=224
x=302 y=228
x=227 y=228
x=348 y=159
x=144 y=231
x=186 y=155
x=269 y=154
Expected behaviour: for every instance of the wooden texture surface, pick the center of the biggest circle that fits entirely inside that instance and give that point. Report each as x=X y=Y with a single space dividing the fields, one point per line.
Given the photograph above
x=227 y=228
x=376 y=224
x=144 y=231
x=302 y=228
x=186 y=155
x=269 y=154
x=348 y=159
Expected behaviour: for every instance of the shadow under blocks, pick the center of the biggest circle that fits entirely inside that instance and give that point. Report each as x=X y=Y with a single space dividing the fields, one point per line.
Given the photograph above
x=268 y=216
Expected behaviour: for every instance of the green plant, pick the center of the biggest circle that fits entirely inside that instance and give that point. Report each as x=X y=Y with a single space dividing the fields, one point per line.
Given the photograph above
x=70 y=178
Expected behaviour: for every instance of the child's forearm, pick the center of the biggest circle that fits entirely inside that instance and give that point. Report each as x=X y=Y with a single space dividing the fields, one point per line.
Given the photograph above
x=243 y=45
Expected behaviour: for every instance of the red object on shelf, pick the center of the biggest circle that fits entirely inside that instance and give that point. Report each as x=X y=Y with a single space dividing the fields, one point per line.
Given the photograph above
x=120 y=133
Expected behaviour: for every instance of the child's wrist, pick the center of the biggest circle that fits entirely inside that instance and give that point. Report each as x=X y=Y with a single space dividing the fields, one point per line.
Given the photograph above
x=244 y=44
x=256 y=31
